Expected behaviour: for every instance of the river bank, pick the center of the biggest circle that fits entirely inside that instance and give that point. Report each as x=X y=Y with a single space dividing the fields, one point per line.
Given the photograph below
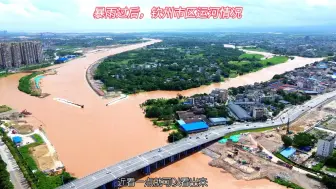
x=122 y=127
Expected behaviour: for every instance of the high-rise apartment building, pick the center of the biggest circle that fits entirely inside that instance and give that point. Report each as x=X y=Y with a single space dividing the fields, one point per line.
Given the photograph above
x=325 y=146
x=16 y=54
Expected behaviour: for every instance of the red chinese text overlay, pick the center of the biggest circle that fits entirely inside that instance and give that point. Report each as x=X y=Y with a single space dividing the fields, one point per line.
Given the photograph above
x=224 y=12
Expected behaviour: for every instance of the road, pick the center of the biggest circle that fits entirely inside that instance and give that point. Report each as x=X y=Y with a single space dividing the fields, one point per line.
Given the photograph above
x=125 y=167
x=16 y=175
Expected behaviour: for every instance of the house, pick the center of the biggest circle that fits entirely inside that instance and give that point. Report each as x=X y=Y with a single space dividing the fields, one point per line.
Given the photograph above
x=258 y=112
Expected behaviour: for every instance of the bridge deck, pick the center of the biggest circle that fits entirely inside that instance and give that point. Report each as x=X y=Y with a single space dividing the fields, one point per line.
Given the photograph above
x=125 y=167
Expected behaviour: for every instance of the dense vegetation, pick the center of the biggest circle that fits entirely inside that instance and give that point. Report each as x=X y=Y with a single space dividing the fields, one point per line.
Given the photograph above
x=294 y=98
x=304 y=139
x=171 y=65
x=331 y=162
x=286 y=140
x=37 y=180
x=5 y=182
x=177 y=64
x=25 y=83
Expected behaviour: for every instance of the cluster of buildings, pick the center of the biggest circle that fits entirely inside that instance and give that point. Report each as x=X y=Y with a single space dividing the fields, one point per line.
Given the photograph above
x=195 y=120
x=251 y=104
x=16 y=54
x=64 y=59
x=314 y=79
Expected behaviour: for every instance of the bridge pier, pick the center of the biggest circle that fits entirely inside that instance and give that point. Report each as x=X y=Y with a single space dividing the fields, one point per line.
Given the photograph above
x=147 y=170
x=179 y=155
x=185 y=152
x=164 y=162
x=171 y=158
x=103 y=186
x=114 y=184
x=156 y=165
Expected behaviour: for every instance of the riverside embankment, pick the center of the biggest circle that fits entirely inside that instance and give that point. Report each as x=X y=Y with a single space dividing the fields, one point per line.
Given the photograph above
x=96 y=136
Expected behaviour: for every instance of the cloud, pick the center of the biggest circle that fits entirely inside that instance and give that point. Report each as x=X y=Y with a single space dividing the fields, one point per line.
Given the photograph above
x=24 y=12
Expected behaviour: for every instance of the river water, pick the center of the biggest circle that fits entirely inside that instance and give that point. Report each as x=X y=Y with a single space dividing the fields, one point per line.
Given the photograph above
x=97 y=136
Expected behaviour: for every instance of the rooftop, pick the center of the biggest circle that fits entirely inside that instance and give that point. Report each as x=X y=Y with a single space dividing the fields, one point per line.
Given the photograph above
x=217 y=119
x=239 y=111
x=17 y=139
x=194 y=126
x=329 y=138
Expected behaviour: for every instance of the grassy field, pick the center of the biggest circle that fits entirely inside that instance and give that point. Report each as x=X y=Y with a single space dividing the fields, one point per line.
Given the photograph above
x=266 y=62
x=331 y=169
x=4 y=108
x=248 y=131
x=318 y=166
x=38 y=139
x=24 y=150
x=250 y=56
x=275 y=60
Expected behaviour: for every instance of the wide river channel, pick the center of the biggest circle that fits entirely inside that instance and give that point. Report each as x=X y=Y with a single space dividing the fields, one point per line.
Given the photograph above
x=97 y=136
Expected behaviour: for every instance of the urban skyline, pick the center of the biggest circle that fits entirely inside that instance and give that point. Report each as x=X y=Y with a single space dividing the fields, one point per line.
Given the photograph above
x=16 y=54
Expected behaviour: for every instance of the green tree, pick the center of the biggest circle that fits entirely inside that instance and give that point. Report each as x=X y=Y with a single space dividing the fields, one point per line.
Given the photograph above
x=286 y=140
x=175 y=136
x=4 y=176
x=329 y=182
x=303 y=139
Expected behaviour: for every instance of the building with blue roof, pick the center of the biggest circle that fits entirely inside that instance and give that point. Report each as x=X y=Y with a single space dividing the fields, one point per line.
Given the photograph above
x=311 y=92
x=181 y=122
x=322 y=65
x=61 y=60
x=194 y=127
x=17 y=139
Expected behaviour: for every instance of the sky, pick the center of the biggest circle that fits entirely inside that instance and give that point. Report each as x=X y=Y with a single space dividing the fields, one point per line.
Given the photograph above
x=76 y=15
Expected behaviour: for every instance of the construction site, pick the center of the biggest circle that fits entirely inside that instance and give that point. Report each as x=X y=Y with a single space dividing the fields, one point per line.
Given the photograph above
x=312 y=117
x=27 y=132
x=247 y=160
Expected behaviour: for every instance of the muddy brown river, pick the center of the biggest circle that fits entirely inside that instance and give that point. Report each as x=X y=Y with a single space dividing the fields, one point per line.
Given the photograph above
x=89 y=139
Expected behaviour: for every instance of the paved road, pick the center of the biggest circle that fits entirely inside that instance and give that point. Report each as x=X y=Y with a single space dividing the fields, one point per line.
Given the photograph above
x=16 y=175
x=123 y=168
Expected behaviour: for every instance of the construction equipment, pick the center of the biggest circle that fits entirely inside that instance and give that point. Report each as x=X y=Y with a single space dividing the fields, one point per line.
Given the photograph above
x=25 y=112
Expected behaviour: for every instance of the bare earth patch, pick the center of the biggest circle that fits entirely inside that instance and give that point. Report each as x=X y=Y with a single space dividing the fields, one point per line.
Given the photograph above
x=42 y=157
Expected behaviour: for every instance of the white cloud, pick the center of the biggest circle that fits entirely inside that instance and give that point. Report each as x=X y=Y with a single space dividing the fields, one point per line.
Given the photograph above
x=23 y=10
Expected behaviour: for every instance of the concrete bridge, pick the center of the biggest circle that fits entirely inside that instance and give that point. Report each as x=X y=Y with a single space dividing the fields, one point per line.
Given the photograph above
x=152 y=160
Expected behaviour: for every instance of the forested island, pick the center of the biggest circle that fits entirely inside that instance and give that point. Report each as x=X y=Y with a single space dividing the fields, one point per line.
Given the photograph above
x=177 y=64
